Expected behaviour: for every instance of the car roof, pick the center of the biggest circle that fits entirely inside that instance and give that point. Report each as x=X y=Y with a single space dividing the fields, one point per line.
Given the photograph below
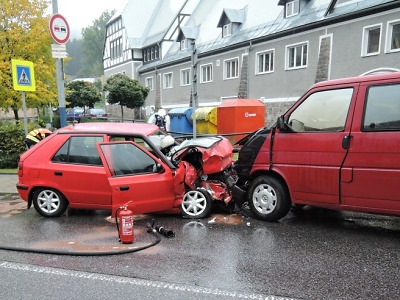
x=112 y=128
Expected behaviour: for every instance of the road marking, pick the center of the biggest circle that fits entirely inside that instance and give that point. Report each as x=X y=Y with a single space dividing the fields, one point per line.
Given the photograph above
x=138 y=282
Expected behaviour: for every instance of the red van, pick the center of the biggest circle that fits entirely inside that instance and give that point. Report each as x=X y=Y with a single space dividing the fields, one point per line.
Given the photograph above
x=338 y=147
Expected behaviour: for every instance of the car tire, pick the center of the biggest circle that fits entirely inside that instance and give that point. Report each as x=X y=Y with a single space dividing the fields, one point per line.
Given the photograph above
x=268 y=199
x=196 y=204
x=49 y=202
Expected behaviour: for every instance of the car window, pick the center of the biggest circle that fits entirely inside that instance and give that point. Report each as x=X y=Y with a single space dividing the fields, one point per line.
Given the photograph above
x=382 y=109
x=322 y=111
x=80 y=150
x=128 y=159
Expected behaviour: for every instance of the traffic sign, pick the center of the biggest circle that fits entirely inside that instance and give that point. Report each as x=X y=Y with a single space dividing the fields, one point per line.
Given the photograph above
x=23 y=75
x=59 y=51
x=59 y=28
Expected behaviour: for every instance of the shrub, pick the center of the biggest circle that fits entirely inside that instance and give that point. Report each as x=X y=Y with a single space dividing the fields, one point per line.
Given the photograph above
x=12 y=144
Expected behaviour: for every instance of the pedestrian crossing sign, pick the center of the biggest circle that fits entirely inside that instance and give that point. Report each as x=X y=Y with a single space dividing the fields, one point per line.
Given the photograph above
x=23 y=75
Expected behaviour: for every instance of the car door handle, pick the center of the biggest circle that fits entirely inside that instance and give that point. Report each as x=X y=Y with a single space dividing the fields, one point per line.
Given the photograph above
x=124 y=188
x=58 y=173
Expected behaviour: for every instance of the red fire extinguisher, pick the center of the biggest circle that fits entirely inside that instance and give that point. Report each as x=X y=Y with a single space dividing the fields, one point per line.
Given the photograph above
x=124 y=220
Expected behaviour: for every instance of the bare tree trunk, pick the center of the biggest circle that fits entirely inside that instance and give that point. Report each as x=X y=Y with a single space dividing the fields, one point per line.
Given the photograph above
x=15 y=110
x=122 y=113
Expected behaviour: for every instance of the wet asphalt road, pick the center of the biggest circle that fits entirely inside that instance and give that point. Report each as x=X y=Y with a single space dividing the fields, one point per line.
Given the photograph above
x=310 y=254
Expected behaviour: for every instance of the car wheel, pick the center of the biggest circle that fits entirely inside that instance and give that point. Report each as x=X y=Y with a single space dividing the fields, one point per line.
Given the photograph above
x=196 y=204
x=49 y=202
x=268 y=199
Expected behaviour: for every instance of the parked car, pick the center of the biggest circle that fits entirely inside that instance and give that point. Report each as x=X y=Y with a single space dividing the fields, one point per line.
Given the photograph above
x=107 y=165
x=74 y=114
x=337 y=147
x=96 y=114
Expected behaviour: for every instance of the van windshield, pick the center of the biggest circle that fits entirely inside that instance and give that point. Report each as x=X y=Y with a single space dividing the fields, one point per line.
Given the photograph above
x=322 y=111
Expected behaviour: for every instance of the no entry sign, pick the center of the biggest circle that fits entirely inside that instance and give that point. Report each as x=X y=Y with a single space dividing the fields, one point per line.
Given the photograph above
x=59 y=29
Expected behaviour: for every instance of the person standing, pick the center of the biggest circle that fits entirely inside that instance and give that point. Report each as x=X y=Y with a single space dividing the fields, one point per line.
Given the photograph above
x=35 y=136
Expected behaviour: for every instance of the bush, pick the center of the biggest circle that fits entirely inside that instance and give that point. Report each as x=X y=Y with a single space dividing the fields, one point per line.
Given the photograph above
x=12 y=144
x=44 y=120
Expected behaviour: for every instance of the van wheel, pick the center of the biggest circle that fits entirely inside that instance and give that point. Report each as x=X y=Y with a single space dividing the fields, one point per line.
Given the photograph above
x=196 y=204
x=49 y=202
x=268 y=199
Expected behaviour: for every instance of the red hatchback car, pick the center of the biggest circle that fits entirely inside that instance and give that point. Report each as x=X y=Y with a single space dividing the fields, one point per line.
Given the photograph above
x=67 y=168
x=108 y=165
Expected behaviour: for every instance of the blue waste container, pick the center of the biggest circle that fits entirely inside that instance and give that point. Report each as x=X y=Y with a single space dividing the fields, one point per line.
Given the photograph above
x=180 y=122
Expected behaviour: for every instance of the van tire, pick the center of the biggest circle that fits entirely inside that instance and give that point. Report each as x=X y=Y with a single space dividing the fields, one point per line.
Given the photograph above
x=268 y=199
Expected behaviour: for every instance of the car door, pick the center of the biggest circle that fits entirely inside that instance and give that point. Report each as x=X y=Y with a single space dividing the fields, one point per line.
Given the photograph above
x=76 y=170
x=310 y=153
x=371 y=172
x=137 y=178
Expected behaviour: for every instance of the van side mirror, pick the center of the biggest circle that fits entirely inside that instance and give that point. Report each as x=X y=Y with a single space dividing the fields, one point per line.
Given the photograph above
x=280 y=123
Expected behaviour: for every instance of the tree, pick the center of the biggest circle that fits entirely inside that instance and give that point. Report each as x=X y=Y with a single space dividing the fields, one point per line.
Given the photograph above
x=82 y=93
x=93 y=45
x=24 y=34
x=125 y=92
x=74 y=64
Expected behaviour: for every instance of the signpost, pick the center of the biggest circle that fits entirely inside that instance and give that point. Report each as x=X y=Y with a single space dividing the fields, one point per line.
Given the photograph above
x=59 y=30
x=23 y=80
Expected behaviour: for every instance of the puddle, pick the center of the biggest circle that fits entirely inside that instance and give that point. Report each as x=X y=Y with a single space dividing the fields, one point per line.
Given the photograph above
x=135 y=218
x=232 y=219
x=100 y=239
x=11 y=207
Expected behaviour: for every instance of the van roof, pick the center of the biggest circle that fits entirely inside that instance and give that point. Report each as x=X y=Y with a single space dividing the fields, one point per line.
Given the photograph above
x=361 y=78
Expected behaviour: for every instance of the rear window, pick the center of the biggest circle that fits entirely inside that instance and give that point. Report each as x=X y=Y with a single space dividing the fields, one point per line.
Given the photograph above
x=79 y=150
x=382 y=109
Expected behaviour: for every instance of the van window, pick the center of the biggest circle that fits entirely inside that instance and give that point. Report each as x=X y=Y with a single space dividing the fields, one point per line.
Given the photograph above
x=322 y=111
x=382 y=110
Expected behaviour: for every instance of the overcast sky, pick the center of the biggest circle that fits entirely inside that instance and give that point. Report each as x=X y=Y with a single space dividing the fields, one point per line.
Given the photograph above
x=82 y=13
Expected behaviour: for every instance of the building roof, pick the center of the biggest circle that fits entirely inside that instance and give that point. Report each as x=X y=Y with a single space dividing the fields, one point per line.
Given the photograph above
x=260 y=20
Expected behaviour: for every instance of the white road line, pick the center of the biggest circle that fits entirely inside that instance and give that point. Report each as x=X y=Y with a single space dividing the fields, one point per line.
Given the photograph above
x=137 y=282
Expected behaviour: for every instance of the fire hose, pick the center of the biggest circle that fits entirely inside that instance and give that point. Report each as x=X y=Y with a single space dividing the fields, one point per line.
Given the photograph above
x=153 y=230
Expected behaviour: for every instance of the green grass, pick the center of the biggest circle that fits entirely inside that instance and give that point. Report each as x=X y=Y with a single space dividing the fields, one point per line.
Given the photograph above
x=8 y=171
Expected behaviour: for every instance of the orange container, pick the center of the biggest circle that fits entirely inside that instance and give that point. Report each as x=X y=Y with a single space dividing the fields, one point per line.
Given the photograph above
x=240 y=116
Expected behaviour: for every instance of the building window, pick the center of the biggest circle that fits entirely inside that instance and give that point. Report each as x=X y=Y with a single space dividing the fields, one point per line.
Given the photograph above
x=227 y=30
x=231 y=68
x=292 y=8
x=167 y=81
x=371 y=40
x=116 y=48
x=206 y=73
x=265 y=62
x=149 y=83
x=185 y=77
x=393 y=36
x=150 y=53
x=296 y=56
x=184 y=45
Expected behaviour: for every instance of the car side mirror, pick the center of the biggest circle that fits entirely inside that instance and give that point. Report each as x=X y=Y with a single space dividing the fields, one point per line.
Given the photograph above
x=160 y=168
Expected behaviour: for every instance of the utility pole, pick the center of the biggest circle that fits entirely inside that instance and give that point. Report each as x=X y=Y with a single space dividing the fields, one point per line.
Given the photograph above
x=193 y=94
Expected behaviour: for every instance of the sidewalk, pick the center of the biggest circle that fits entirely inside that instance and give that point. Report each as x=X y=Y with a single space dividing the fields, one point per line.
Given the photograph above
x=7 y=184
